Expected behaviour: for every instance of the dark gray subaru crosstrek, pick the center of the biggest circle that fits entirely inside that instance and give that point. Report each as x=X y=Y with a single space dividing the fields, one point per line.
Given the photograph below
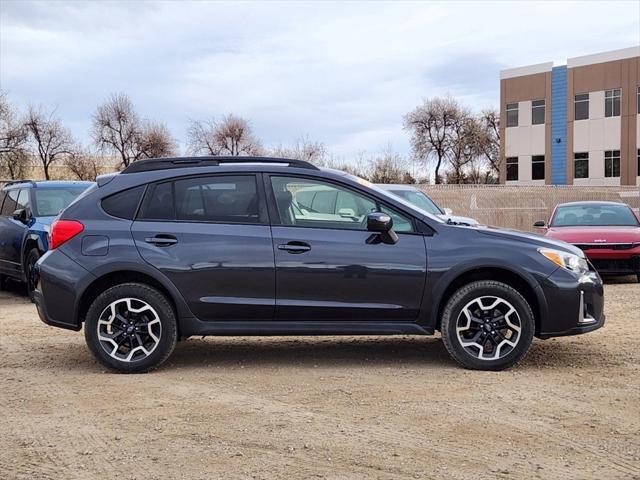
x=171 y=248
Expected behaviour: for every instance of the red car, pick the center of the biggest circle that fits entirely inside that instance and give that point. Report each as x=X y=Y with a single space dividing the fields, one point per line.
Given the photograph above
x=608 y=232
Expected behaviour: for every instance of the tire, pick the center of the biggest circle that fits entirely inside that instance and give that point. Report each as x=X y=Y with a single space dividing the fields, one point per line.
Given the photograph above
x=30 y=261
x=494 y=322
x=144 y=319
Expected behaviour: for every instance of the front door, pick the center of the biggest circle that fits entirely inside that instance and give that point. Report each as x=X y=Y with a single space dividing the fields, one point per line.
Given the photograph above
x=330 y=268
x=210 y=236
x=12 y=232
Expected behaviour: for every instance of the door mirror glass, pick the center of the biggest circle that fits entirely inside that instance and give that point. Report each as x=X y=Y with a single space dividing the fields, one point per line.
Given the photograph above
x=21 y=215
x=540 y=224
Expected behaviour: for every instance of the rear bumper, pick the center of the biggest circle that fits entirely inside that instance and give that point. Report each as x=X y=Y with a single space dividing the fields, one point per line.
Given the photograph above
x=575 y=305
x=59 y=280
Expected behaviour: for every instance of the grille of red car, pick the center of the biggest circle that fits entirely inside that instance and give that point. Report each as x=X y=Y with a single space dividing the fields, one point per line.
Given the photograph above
x=606 y=246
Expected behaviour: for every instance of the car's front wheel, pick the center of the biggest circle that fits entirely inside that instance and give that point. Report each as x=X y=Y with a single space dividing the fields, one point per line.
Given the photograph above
x=31 y=259
x=131 y=328
x=487 y=325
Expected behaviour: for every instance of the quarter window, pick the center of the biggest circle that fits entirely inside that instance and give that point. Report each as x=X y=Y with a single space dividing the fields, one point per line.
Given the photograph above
x=10 y=203
x=581 y=106
x=123 y=204
x=612 y=103
x=23 y=199
x=512 y=168
x=537 y=112
x=512 y=114
x=581 y=165
x=316 y=204
x=537 y=167
x=612 y=163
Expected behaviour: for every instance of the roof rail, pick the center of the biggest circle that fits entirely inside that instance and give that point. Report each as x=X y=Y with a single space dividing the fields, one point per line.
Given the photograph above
x=208 y=161
x=13 y=182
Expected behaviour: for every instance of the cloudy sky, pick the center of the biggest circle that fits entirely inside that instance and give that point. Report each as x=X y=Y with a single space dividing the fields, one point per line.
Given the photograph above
x=342 y=73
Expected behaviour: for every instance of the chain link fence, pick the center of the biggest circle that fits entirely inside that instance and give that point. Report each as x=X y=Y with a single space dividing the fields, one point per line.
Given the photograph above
x=519 y=207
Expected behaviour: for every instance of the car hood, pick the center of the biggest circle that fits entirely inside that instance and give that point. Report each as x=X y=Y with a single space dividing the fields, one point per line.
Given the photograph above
x=530 y=238
x=596 y=234
x=458 y=219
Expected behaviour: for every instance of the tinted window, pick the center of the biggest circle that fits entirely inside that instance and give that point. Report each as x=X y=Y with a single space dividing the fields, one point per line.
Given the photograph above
x=158 y=203
x=537 y=112
x=331 y=206
x=612 y=103
x=581 y=106
x=512 y=168
x=226 y=199
x=575 y=215
x=612 y=163
x=512 y=114
x=49 y=202
x=3 y=194
x=537 y=167
x=123 y=204
x=9 y=205
x=581 y=165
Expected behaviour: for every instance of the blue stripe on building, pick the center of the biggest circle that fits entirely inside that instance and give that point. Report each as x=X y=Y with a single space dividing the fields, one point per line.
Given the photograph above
x=559 y=125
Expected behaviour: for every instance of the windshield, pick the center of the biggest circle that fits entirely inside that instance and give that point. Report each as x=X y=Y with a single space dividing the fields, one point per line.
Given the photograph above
x=594 y=215
x=49 y=202
x=419 y=199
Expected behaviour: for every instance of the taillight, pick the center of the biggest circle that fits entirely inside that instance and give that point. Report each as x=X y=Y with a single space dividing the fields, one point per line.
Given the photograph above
x=63 y=231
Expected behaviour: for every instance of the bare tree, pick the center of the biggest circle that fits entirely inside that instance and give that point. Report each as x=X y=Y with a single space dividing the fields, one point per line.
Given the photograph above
x=83 y=165
x=117 y=128
x=13 y=141
x=304 y=149
x=48 y=138
x=231 y=136
x=489 y=141
x=429 y=125
x=389 y=167
x=464 y=149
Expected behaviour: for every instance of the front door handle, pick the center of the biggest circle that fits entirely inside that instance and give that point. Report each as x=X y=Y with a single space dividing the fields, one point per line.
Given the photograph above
x=295 y=247
x=162 y=240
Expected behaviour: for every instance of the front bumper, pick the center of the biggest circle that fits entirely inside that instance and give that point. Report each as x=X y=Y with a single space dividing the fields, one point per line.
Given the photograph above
x=575 y=305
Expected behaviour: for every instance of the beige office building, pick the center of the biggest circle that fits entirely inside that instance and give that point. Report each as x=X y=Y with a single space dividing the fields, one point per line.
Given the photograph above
x=574 y=124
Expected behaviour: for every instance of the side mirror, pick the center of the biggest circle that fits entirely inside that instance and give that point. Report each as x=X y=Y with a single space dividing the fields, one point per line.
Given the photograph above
x=382 y=224
x=447 y=211
x=22 y=215
x=540 y=224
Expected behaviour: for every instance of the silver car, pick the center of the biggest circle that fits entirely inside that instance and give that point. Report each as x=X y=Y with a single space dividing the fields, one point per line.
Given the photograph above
x=421 y=200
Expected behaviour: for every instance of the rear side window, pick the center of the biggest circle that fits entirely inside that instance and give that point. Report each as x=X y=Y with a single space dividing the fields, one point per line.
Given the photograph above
x=9 y=205
x=222 y=199
x=123 y=204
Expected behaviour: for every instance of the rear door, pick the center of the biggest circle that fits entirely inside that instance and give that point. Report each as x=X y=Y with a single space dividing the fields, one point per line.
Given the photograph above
x=210 y=236
x=330 y=268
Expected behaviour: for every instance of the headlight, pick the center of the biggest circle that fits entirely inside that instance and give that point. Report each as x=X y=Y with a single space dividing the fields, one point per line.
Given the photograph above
x=566 y=260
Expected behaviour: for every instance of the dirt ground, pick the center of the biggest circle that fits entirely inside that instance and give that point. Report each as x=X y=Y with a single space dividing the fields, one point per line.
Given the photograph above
x=321 y=407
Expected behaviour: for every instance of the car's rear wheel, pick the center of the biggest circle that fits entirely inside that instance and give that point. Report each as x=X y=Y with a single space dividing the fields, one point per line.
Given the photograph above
x=131 y=328
x=29 y=269
x=487 y=325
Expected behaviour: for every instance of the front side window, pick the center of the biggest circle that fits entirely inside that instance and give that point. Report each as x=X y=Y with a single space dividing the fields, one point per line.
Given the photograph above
x=512 y=168
x=420 y=200
x=612 y=102
x=537 y=167
x=10 y=202
x=317 y=204
x=214 y=199
x=612 y=163
x=537 y=112
x=581 y=106
x=512 y=114
x=581 y=165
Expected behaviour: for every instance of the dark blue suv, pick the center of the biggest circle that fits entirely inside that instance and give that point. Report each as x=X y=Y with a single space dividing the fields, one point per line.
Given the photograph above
x=27 y=209
x=172 y=248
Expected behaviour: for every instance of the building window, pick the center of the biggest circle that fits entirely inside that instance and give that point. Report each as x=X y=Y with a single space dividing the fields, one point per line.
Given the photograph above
x=512 y=114
x=581 y=106
x=612 y=163
x=537 y=167
x=537 y=112
x=581 y=165
x=512 y=168
x=612 y=102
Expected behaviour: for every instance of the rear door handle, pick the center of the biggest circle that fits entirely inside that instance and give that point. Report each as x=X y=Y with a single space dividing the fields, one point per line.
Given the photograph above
x=295 y=247
x=162 y=240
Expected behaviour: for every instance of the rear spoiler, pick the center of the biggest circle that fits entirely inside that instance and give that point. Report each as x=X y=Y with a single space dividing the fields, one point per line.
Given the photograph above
x=102 y=180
